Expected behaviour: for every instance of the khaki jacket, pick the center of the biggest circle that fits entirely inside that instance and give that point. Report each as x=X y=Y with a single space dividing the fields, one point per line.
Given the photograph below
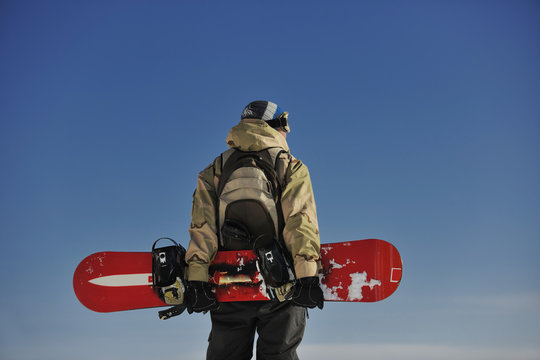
x=301 y=232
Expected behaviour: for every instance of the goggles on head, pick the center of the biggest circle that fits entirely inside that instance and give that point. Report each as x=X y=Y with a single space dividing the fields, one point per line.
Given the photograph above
x=280 y=122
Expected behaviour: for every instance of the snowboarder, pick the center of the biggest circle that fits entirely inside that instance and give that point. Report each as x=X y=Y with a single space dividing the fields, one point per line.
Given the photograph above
x=218 y=224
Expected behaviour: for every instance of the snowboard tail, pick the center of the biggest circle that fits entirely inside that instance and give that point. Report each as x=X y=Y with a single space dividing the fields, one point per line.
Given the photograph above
x=356 y=271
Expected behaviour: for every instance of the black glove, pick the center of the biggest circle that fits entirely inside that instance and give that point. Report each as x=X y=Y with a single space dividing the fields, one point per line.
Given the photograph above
x=199 y=297
x=308 y=293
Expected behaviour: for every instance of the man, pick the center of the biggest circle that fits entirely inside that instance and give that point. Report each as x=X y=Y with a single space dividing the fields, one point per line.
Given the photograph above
x=280 y=325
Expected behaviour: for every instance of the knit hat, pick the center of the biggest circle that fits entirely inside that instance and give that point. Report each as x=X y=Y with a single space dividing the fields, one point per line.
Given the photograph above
x=267 y=111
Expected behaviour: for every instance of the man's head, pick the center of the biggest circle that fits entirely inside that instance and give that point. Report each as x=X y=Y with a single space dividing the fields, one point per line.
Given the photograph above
x=269 y=112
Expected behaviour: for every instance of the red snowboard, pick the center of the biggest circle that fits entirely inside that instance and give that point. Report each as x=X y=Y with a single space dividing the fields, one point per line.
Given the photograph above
x=360 y=271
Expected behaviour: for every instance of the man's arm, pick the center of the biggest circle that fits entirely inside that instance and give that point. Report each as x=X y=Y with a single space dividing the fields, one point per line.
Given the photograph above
x=203 y=233
x=301 y=232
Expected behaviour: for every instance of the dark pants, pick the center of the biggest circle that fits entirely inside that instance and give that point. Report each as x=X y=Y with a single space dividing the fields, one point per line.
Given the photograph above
x=280 y=327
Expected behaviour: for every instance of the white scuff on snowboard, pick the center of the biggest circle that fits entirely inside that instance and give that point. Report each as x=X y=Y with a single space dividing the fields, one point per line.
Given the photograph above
x=358 y=281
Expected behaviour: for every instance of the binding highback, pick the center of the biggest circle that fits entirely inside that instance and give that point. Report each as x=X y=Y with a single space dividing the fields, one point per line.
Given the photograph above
x=168 y=270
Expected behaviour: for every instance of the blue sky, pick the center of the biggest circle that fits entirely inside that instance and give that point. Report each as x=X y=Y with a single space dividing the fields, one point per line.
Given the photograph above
x=419 y=121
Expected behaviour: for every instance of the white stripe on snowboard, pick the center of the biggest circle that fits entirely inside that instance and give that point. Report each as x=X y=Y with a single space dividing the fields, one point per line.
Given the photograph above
x=123 y=280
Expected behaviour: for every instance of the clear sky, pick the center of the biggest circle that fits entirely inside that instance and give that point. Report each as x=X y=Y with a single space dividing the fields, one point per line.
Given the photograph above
x=419 y=122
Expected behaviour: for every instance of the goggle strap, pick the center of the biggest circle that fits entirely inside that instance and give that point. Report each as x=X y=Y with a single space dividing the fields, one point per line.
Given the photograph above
x=279 y=122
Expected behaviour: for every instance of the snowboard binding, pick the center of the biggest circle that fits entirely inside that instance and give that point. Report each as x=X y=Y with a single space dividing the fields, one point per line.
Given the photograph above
x=168 y=276
x=271 y=262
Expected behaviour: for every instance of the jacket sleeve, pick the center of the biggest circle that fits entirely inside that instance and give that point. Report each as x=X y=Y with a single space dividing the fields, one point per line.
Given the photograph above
x=203 y=233
x=301 y=231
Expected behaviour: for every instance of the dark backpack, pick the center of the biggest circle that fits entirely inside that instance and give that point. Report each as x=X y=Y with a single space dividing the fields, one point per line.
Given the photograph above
x=249 y=212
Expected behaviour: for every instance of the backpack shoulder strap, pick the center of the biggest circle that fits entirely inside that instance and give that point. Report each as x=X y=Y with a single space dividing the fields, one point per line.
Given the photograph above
x=281 y=164
x=225 y=156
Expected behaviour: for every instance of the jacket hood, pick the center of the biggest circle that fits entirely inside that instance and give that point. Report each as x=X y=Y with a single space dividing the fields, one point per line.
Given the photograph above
x=255 y=135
